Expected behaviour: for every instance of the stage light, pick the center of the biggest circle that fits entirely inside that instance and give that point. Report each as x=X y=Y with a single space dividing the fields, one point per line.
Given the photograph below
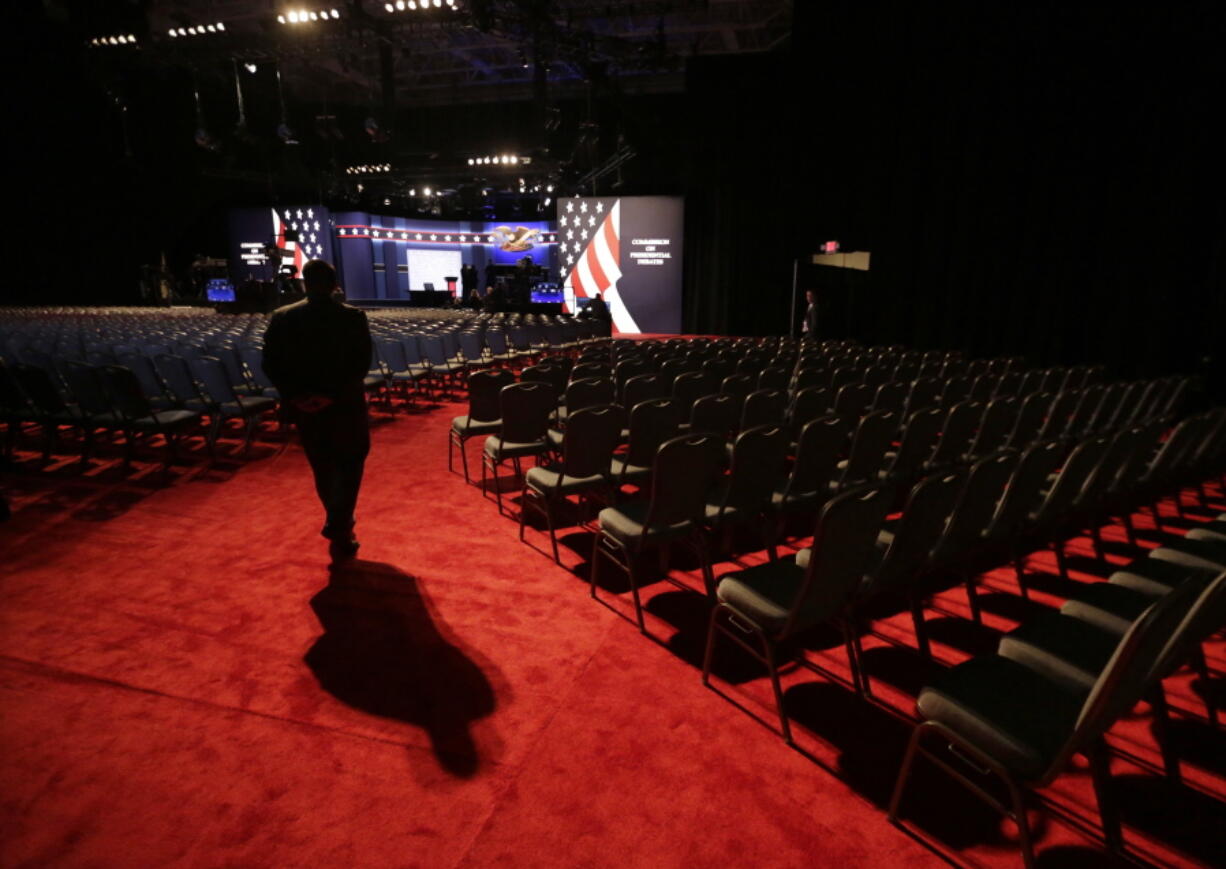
x=413 y=191
x=389 y=7
x=221 y=26
x=212 y=28
x=335 y=15
x=314 y=16
x=281 y=19
x=250 y=67
x=399 y=5
x=438 y=3
x=547 y=201
x=426 y=191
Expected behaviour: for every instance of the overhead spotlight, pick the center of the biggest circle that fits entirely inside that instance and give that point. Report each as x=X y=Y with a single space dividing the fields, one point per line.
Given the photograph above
x=280 y=19
x=212 y=28
x=547 y=201
x=314 y=16
x=438 y=3
x=221 y=26
x=250 y=67
x=413 y=191
x=425 y=191
x=172 y=32
x=335 y=15
x=399 y=5
x=387 y=201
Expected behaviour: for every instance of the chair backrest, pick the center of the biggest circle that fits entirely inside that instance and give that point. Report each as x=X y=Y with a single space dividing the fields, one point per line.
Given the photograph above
x=691 y=386
x=472 y=345
x=1029 y=422
x=773 y=378
x=956 y=389
x=1077 y=469
x=211 y=375
x=652 y=422
x=1205 y=617
x=591 y=436
x=591 y=392
x=758 y=456
x=391 y=351
x=925 y=392
x=252 y=358
x=1087 y=408
x=872 y=438
x=432 y=349
x=764 y=407
x=985 y=485
x=1127 y=674
x=643 y=387
x=716 y=413
x=584 y=370
x=628 y=368
x=994 y=426
x=892 y=396
x=525 y=409
x=923 y=428
x=740 y=385
x=818 y=449
x=808 y=404
x=126 y=391
x=1025 y=490
x=86 y=387
x=844 y=544
x=38 y=385
x=1059 y=414
x=929 y=505
x=683 y=472
x=853 y=399
x=956 y=433
x=146 y=374
x=541 y=374
x=484 y=393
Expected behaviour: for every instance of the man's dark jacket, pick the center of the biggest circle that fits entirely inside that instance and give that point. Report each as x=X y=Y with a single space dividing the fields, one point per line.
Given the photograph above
x=319 y=347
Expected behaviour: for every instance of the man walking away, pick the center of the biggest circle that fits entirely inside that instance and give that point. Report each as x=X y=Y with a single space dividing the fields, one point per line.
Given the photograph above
x=317 y=353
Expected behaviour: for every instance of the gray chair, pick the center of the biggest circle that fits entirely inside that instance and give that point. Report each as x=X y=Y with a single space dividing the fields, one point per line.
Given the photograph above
x=591 y=436
x=683 y=473
x=222 y=402
x=956 y=433
x=524 y=409
x=773 y=602
x=717 y=413
x=763 y=407
x=807 y=486
x=652 y=423
x=921 y=433
x=869 y=444
x=758 y=456
x=484 y=413
x=139 y=415
x=994 y=715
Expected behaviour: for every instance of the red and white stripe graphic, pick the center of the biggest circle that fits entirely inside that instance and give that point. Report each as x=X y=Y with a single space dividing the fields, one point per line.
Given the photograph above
x=597 y=269
x=278 y=227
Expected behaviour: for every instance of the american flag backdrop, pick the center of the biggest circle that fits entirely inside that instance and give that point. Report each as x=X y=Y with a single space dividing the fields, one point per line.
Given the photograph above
x=589 y=244
x=312 y=231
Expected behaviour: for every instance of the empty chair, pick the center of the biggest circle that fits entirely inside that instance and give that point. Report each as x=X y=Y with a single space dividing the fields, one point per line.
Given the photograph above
x=818 y=449
x=873 y=436
x=222 y=402
x=853 y=400
x=93 y=408
x=956 y=434
x=774 y=601
x=807 y=405
x=1011 y=721
x=652 y=422
x=683 y=472
x=591 y=436
x=921 y=433
x=643 y=387
x=139 y=415
x=807 y=378
x=758 y=456
x=585 y=370
x=983 y=388
x=995 y=426
x=1031 y=414
x=146 y=374
x=955 y=390
x=484 y=412
x=717 y=414
x=524 y=409
x=691 y=386
x=764 y=407
x=773 y=378
x=925 y=392
x=891 y=396
x=580 y=394
x=400 y=372
x=740 y=385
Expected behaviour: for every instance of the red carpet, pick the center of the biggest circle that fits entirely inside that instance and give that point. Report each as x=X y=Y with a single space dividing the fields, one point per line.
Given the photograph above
x=181 y=685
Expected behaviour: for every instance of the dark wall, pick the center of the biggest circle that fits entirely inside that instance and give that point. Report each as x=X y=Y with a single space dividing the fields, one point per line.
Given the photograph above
x=1031 y=179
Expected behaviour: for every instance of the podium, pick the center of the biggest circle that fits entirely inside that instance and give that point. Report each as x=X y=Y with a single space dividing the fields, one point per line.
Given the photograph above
x=451 y=285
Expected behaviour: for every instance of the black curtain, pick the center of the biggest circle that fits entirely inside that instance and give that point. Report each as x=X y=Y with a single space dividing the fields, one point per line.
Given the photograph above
x=1042 y=180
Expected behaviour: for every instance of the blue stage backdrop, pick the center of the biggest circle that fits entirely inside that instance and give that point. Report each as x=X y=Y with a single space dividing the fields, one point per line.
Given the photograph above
x=383 y=257
x=628 y=249
x=252 y=229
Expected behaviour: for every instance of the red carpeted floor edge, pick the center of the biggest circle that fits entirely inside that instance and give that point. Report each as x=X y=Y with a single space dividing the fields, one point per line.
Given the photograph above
x=184 y=682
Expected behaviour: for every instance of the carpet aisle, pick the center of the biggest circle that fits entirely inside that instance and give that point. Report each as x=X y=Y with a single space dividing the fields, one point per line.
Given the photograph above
x=183 y=682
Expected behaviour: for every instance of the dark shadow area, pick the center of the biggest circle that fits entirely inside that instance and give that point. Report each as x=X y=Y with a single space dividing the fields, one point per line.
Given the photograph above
x=1198 y=744
x=904 y=669
x=383 y=653
x=1079 y=857
x=871 y=742
x=1017 y=608
x=1188 y=821
x=964 y=634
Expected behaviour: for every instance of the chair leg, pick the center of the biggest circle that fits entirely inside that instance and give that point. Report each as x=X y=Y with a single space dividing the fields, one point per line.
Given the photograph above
x=972 y=598
x=1024 y=839
x=450 y=451
x=1108 y=811
x=904 y=772
x=851 y=641
x=1162 y=732
x=634 y=587
x=769 y=648
x=523 y=512
x=1096 y=535
x=553 y=536
x=708 y=653
x=463 y=457
x=921 y=630
x=1019 y=570
x=1201 y=665
x=1153 y=508
x=1057 y=547
x=1129 y=529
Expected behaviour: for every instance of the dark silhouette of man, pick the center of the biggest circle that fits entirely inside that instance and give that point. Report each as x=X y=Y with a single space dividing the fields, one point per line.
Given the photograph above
x=317 y=353
x=809 y=327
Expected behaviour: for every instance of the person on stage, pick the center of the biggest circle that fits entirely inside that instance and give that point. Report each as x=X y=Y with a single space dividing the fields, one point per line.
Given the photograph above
x=808 y=328
x=317 y=352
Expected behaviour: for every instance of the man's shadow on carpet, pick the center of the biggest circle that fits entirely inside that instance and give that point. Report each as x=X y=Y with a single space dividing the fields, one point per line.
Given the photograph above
x=382 y=652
